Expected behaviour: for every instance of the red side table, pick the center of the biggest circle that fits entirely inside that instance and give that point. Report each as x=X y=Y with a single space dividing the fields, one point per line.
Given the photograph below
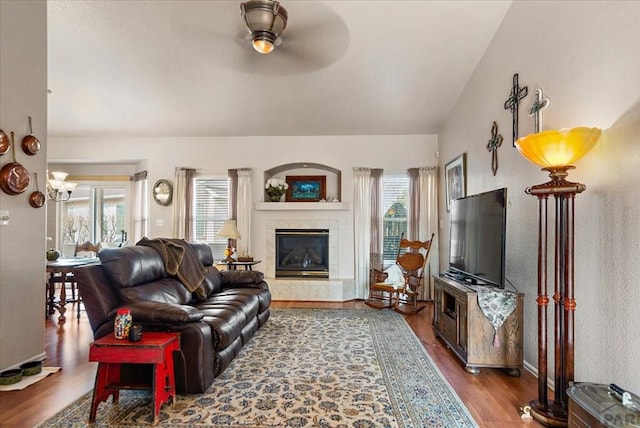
x=153 y=348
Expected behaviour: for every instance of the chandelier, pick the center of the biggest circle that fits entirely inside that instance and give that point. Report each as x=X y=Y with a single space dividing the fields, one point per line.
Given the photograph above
x=59 y=190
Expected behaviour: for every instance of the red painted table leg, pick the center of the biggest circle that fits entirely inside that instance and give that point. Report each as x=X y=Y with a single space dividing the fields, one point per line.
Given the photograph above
x=164 y=387
x=108 y=374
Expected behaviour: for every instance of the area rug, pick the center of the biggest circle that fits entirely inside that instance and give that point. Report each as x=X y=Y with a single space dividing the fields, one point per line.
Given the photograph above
x=306 y=368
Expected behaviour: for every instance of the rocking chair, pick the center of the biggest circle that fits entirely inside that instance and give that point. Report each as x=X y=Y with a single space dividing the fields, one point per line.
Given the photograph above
x=404 y=298
x=382 y=294
x=412 y=263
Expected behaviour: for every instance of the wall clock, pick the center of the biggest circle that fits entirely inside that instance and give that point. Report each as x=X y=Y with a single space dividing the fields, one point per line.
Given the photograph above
x=162 y=192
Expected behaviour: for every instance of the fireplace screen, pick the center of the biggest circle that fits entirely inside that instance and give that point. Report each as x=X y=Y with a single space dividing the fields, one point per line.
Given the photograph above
x=302 y=253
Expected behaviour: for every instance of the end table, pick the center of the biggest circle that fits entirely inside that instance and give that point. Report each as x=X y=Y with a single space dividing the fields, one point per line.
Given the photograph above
x=153 y=348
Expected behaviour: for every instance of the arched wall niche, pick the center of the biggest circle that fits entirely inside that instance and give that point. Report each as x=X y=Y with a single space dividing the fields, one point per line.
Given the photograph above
x=334 y=176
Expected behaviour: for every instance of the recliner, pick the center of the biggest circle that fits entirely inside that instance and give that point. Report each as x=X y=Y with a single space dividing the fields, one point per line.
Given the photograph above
x=212 y=329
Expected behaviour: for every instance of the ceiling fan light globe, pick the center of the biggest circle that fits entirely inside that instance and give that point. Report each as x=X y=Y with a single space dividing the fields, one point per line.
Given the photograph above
x=262 y=46
x=263 y=41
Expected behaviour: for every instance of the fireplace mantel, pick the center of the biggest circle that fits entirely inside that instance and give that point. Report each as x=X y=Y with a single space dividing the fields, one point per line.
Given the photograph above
x=303 y=206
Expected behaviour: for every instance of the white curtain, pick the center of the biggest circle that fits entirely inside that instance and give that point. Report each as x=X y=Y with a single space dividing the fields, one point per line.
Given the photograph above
x=377 y=241
x=428 y=224
x=244 y=209
x=182 y=200
x=140 y=206
x=362 y=229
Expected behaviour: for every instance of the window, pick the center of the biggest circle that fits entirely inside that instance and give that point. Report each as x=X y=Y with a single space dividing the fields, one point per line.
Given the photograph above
x=211 y=210
x=95 y=213
x=395 y=193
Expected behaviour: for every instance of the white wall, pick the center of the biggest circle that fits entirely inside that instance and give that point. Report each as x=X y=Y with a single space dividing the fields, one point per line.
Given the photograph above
x=23 y=93
x=585 y=56
x=162 y=156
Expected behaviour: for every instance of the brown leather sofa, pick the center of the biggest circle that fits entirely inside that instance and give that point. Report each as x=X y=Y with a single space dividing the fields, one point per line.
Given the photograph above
x=214 y=322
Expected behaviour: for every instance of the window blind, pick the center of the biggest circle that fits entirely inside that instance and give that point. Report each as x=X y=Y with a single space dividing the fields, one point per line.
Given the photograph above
x=211 y=211
x=395 y=195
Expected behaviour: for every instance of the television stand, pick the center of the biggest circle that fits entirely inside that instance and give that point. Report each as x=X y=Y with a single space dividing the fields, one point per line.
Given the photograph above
x=460 y=323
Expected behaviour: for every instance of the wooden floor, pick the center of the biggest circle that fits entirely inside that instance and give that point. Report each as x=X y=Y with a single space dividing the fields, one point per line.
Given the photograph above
x=492 y=397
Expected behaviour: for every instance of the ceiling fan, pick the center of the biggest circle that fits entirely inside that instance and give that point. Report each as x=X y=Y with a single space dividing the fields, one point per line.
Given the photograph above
x=266 y=20
x=302 y=37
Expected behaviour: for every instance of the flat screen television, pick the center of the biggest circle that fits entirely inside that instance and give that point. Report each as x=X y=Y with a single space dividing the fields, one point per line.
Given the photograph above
x=477 y=238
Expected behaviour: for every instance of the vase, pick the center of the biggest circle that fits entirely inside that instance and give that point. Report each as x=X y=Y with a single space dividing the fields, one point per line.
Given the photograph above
x=275 y=198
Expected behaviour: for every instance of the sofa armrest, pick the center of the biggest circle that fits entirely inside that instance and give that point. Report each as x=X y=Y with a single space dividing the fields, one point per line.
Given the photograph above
x=157 y=312
x=242 y=278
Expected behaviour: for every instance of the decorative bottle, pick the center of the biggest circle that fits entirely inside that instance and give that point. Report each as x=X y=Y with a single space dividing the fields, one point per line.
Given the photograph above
x=122 y=324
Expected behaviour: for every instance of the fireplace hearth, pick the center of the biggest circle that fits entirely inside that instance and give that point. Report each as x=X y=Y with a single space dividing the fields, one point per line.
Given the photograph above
x=302 y=253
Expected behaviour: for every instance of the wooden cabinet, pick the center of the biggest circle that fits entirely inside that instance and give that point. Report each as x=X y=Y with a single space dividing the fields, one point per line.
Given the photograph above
x=459 y=321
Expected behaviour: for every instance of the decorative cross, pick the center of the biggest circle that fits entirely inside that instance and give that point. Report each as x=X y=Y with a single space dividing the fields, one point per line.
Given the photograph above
x=540 y=104
x=517 y=94
x=492 y=146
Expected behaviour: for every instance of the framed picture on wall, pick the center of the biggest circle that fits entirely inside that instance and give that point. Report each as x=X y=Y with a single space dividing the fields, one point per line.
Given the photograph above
x=306 y=188
x=455 y=179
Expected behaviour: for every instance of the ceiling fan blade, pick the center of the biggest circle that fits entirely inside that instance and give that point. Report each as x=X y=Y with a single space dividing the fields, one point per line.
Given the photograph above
x=314 y=38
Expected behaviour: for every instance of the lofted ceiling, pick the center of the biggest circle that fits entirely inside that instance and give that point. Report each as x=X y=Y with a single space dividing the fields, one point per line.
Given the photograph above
x=185 y=68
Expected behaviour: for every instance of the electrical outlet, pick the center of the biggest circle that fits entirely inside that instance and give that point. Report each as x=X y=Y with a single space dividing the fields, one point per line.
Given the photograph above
x=160 y=222
x=4 y=218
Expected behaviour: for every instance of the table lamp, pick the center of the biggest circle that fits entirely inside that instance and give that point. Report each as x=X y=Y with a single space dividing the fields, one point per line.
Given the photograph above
x=229 y=231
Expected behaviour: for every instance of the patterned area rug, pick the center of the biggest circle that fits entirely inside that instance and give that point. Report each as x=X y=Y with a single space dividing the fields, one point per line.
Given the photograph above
x=306 y=368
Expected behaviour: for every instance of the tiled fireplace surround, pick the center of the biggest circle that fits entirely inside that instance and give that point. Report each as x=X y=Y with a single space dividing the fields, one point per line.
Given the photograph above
x=306 y=289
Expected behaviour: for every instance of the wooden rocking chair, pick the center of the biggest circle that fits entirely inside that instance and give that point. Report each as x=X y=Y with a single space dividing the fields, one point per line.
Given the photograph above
x=411 y=259
x=381 y=293
x=412 y=263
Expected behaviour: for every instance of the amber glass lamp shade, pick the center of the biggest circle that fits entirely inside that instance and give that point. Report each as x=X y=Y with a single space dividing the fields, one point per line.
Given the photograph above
x=557 y=148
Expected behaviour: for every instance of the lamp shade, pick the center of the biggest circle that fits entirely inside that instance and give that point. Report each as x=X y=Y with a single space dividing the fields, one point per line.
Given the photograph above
x=69 y=186
x=229 y=230
x=59 y=175
x=554 y=148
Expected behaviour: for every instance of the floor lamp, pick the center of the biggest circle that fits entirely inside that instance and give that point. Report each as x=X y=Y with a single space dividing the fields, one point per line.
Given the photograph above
x=555 y=151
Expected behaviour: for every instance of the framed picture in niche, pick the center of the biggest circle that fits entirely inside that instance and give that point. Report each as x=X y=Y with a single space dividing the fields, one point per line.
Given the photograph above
x=306 y=188
x=455 y=179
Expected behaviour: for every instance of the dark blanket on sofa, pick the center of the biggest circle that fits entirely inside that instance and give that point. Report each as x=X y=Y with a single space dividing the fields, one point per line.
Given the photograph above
x=180 y=260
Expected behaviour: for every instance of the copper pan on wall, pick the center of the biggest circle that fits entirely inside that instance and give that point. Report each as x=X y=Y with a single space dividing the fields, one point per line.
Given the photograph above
x=30 y=143
x=14 y=178
x=37 y=198
x=4 y=142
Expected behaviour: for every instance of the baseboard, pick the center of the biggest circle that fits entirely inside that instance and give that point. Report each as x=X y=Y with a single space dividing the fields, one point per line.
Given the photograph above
x=534 y=371
x=38 y=357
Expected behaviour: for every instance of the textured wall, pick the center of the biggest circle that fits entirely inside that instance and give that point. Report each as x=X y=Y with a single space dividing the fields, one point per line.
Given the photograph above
x=23 y=93
x=163 y=155
x=585 y=57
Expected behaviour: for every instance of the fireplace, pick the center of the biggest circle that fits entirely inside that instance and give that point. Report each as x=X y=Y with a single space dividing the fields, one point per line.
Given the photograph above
x=302 y=253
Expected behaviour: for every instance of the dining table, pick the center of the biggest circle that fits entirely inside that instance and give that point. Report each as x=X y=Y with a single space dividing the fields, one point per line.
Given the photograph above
x=61 y=272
